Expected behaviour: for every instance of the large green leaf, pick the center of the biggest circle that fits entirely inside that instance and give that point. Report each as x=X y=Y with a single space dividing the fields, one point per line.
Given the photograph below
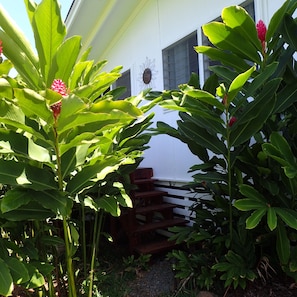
x=202 y=96
x=16 y=173
x=238 y=83
x=18 y=270
x=14 y=32
x=289 y=6
x=288 y=216
x=249 y=204
x=282 y=244
x=203 y=137
x=251 y=193
x=67 y=51
x=226 y=58
x=14 y=199
x=21 y=62
x=237 y=18
x=279 y=142
x=255 y=115
x=110 y=205
x=6 y=282
x=36 y=278
x=95 y=172
x=231 y=40
x=271 y=218
x=289 y=30
x=31 y=211
x=49 y=32
x=254 y=219
x=33 y=105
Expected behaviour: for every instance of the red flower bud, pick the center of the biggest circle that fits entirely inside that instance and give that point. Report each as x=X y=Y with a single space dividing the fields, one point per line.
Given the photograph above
x=56 y=108
x=1 y=47
x=232 y=121
x=261 y=29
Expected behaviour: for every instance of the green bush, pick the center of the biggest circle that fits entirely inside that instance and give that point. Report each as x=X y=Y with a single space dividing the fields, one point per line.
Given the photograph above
x=241 y=125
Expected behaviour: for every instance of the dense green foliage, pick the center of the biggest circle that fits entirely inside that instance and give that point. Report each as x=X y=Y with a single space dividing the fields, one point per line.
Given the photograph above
x=242 y=127
x=65 y=152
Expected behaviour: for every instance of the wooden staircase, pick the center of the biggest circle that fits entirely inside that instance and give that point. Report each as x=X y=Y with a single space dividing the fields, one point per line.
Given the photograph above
x=149 y=219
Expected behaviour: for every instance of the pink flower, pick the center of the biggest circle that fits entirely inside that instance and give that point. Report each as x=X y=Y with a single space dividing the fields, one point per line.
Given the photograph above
x=60 y=87
x=262 y=30
x=232 y=121
x=56 y=108
x=1 y=48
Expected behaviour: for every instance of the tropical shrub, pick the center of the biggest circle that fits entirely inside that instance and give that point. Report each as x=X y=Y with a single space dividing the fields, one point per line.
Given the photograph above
x=241 y=125
x=66 y=145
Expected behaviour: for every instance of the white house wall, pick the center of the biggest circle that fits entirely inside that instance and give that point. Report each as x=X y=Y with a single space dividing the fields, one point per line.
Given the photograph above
x=138 y=43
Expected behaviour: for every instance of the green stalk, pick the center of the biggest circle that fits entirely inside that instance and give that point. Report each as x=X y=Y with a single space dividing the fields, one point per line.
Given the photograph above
x=66 y=229
x=84 y=246
x=95 y=244
x=229 y=172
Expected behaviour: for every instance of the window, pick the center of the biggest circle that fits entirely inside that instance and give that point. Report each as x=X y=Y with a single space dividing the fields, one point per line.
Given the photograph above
x=124 y=81
x=249 y=7
x=179 y=61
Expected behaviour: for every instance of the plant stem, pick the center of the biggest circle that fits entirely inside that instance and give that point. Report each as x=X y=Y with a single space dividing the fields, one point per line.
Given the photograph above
x=66 y=229
x=84 y=241
x=95 y=244
x=229 y=173
x=70 y=273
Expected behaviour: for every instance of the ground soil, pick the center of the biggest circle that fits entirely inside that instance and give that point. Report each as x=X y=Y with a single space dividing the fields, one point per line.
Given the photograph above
x=159 y=280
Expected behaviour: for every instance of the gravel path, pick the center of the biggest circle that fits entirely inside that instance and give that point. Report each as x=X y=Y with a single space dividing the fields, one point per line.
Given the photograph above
x=157 y=281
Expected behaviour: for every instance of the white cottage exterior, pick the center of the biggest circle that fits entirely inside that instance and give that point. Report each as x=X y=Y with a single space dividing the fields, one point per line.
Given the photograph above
x=158 y=35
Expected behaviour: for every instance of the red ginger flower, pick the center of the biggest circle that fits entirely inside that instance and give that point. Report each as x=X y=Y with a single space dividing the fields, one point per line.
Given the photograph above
x=60 y=87
x=1 y=47
x=232 y=121
x=56 y=108
x=261 y=30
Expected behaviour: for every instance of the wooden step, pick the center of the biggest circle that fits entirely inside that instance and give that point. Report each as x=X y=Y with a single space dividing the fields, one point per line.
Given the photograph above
x=144 y=181
x=159 y=225
x=149 y=194
x=155 y=247
x=154 y=208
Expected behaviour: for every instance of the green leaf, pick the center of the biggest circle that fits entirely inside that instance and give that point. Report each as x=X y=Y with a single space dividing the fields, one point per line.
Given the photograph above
x=238 y=83
x=14 y=199
x=288 y=216
x=110 y=205
x=18 y=270
x=282 y=244
x=28 y=212
x=33 y=105
x=225 y=38
x=16 y=173
x=238 y=19
x=203 y=137
x=284 y=148
x=21 y=62
x=14 y=32
x=277 y=18
x=67 y=51
x=271 y=218
x=6 y=282
x=251 y=192
x=5 y=88
x=49 y=32
x=202 y=96
x=226 y=58
x=255 y=115
x=249 y=204
x=254 y=219
x=36 y=278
